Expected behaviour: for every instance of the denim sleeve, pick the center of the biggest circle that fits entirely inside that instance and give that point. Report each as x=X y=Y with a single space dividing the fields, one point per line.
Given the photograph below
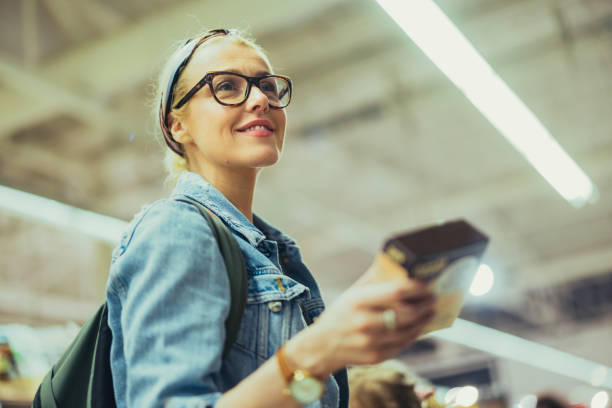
x=177 y=300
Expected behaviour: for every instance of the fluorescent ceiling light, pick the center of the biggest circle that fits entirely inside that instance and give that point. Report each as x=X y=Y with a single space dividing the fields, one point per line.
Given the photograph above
x=444 y=44
x=104 y=228
x=524 y=351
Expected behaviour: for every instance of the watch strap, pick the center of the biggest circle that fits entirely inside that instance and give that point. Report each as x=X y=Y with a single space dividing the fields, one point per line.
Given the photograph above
x=285 y=368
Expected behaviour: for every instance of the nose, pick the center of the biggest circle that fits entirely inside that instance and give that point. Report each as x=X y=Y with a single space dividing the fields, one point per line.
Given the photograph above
x=257 y=101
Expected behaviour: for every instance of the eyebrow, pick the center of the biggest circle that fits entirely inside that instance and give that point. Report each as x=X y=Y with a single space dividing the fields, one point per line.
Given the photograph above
x=258 y=73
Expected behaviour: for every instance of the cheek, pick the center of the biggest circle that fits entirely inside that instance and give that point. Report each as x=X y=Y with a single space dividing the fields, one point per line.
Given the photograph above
x=282 y=126
x=211 y=119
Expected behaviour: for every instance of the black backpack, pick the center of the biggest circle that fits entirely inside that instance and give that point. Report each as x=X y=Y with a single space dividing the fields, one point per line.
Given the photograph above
x=82 y=378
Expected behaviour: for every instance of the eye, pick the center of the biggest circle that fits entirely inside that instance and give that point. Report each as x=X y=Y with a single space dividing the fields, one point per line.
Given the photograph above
x=228 y=84
x=225 y=86
x=268 y=86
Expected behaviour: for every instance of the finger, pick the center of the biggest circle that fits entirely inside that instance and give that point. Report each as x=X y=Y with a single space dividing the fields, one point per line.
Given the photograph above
x=373 y=323
x=425 y=299
x=424 y=393
x=401 y=337
x=409 y=315
x=414 y=290
x=385 y=294
x=405 y=315
x=425 y=296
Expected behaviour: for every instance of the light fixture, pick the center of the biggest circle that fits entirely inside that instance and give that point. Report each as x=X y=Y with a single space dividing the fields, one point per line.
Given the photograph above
x=483 y=281
x=467 y=396
x=528 y=401
x=599 y=375
x=30 y=206
x=514 y=348
x=600 y=400
x=452 y=53
x=451 y=395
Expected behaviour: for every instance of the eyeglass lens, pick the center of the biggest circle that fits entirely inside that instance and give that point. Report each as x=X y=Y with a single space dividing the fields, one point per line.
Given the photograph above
x=232 y=89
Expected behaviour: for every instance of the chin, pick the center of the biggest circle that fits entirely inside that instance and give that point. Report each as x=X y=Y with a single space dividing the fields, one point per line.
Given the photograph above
x=264 y=157
x=270 y=160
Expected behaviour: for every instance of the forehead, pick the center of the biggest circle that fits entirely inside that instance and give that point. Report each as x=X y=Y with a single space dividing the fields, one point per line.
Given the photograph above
x=226 y=55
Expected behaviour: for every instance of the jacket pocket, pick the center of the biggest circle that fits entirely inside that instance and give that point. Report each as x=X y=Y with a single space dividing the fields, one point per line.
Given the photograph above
x=272 y=314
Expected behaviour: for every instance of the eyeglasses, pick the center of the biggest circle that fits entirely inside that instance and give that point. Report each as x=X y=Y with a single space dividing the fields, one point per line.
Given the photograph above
x=232 y=89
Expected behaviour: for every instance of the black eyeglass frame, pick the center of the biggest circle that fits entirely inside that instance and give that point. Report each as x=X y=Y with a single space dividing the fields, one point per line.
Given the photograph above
x=208 y=78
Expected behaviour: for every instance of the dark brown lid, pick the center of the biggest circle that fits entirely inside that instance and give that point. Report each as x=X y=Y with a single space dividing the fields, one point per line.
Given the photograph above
x=438 y=238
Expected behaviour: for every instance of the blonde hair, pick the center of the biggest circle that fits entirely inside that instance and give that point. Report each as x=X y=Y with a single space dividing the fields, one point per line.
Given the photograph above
x=174 y=163
x=386 y=385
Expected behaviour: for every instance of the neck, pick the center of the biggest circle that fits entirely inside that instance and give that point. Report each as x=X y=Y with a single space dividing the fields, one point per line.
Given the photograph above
x=237 y=185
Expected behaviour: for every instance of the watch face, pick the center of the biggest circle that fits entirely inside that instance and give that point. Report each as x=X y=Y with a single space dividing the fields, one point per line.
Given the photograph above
x=306 y=390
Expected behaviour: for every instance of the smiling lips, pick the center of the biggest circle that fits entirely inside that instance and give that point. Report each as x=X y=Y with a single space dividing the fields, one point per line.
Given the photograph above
x=257 y=128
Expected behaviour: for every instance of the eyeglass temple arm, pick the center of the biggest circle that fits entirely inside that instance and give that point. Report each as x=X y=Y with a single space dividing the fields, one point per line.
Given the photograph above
x=191 y=92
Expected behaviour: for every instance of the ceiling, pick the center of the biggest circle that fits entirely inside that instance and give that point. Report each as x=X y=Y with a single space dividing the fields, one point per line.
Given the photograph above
x=379 y=140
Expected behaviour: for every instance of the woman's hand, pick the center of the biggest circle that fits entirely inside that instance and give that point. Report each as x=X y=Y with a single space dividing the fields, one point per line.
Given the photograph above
x=353 y=330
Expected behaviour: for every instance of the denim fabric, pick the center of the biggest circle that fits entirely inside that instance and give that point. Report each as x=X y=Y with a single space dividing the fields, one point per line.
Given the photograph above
x=168 y=296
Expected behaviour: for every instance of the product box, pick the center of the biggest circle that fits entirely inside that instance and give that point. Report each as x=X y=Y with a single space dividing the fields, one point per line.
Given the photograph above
x=445 y=257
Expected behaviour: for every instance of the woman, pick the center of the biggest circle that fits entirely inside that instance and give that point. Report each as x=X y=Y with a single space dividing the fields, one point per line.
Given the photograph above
x=222 y=115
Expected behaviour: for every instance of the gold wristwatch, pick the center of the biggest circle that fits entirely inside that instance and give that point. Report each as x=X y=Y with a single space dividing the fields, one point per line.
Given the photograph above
x=301 y=386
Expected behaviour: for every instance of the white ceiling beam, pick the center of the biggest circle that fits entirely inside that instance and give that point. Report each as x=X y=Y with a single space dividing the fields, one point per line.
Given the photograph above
x=101 y=15
x=19 y=111
x=29 y=16
x=78 y=179
x=65 y=14
x=38 y=87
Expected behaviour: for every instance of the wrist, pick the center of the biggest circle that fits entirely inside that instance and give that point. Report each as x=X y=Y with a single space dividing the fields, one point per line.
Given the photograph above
x=310 y=352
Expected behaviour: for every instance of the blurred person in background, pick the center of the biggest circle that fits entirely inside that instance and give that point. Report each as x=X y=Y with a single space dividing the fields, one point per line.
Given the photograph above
x=389 y=385
x=550 y=400
x=222 y=115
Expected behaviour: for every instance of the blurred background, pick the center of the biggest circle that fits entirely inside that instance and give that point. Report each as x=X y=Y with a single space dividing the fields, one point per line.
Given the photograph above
x=379 y=140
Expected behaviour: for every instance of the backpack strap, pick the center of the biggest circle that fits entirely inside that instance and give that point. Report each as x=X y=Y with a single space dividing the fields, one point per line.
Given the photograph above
x=236 y=272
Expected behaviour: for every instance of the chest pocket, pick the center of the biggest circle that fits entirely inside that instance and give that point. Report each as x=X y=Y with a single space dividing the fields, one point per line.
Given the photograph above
x=272 y=315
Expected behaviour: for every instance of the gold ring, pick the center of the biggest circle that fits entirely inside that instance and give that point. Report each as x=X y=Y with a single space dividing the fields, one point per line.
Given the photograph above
x=389 y=319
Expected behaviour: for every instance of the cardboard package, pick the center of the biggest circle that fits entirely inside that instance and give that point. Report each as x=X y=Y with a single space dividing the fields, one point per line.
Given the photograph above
x=445 y=257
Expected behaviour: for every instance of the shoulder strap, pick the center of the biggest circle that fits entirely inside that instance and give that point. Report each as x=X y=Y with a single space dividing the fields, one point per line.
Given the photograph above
x=236 y=272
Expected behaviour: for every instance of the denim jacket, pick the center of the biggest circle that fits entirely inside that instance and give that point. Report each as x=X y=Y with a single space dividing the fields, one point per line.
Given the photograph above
x=168 y=296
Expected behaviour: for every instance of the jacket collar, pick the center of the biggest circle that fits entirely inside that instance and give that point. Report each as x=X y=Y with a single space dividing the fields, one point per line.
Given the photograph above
x=272 y=233
x=196 y=187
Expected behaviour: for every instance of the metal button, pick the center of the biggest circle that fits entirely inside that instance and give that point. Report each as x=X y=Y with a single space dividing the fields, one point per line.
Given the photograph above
x=279 y=284
x=275 y=306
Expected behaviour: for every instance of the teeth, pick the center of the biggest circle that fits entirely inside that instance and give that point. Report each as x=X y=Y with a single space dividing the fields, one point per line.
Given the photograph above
x=256 y=127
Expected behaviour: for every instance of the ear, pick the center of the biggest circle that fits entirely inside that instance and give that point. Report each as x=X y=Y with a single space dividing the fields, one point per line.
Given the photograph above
x=179 y=130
